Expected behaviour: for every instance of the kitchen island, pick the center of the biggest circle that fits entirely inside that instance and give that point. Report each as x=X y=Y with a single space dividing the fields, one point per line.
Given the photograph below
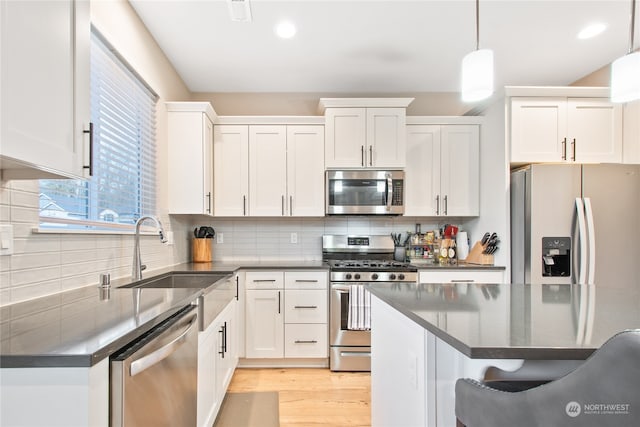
x=426 y=336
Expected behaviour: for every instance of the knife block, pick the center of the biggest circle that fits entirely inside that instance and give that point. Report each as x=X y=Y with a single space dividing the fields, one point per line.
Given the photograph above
x=477 y=257
x=201 y=250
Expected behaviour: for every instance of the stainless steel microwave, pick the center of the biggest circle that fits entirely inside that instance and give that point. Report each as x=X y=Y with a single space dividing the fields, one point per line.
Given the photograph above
x=364 y=192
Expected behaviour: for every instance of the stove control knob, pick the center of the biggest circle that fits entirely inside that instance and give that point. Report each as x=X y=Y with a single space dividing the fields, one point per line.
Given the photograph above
x=356 y=276
x=401 y=276
x=347 y=276
x=374 y=276
x=392 y=276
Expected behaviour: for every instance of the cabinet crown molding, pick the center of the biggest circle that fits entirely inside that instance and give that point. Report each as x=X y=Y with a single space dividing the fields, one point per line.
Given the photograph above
x=204 y=107
x=568 y=91
x=362 y=103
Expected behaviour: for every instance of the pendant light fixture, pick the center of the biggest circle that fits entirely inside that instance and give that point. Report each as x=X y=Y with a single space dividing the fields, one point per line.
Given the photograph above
x=625 y=71
x=477 y=69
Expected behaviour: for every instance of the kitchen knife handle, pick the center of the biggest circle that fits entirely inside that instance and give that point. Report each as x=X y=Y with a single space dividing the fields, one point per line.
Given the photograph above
x=290 y=205
x=564 y=149
x=446 y=205
x=90 y=132
x=362 y=155
x=209 y=202
x=573 y=143
x=438 y=204
x=370 y=155
x=244 y=205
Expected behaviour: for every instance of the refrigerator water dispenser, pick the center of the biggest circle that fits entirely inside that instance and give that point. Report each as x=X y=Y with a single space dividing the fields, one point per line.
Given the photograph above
x=556 y=256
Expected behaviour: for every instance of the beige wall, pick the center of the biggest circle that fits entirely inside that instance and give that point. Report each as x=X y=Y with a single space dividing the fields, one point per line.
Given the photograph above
x=600 y=77
x=306 y=104
x=44 y=264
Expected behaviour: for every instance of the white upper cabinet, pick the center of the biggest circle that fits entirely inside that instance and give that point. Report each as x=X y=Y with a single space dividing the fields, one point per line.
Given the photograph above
x=305 y=170
x=190 y=126
x=230 y=170
x=631 y=137
x=565 y=129
x=269 y=170
x=443 y=170
x=345 y=141
x=44 y=107
x=365 y=133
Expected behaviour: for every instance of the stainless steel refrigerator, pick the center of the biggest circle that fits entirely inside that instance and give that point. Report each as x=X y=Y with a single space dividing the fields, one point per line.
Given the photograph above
x=576 y=224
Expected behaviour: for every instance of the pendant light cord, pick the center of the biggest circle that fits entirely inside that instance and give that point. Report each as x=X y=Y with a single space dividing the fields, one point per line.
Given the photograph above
x=478 y=24
x=631 y=31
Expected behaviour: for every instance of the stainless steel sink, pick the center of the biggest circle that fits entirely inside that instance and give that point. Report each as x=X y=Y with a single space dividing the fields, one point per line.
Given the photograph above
x=218 y=290
x=179 y=280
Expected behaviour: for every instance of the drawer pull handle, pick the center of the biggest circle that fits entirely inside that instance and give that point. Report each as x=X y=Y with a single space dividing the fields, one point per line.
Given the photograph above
x=306 y=342
x=463 y=281
x=306 y=281
x=264 y=280
x=305 y=306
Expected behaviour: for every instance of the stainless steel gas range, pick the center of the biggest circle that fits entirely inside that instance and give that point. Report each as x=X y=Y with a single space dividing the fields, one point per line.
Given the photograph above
x=356 y=261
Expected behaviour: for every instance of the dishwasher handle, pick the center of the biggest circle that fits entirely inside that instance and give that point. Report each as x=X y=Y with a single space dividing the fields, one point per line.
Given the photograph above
x=162 y=353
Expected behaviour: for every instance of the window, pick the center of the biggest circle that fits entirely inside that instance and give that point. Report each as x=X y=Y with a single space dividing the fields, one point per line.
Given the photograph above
x=123 y=184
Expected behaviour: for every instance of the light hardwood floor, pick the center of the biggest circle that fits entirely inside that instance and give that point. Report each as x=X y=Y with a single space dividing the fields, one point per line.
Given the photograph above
x=312 y=397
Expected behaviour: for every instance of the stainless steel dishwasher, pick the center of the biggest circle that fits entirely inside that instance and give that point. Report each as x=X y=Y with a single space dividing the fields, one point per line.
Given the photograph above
x=154 y=379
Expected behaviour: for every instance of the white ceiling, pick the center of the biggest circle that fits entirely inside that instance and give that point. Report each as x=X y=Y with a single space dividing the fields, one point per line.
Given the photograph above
x=365 y=46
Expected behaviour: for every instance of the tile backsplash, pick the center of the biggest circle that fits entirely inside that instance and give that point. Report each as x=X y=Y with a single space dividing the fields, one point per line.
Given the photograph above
x=48 y=263
x=263 y=239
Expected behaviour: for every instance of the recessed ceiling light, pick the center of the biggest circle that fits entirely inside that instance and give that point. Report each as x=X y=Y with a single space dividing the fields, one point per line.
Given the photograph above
x=286 y=30
x=591 y=30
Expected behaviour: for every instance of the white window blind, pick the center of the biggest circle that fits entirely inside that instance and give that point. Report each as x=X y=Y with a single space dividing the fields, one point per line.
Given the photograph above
x=124 y=155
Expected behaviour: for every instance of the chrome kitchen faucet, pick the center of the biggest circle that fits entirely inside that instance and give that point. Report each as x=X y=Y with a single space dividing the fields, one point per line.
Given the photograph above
x=136 y=272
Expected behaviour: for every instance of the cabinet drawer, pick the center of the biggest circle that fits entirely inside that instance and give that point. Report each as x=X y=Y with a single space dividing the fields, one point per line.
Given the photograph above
x=305 y=306
x=305 y=279
x=472 y=276
x=264 y=280
x=305 y=340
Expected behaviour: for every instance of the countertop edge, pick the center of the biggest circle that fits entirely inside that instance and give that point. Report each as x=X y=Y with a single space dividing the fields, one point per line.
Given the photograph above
x=529 y=353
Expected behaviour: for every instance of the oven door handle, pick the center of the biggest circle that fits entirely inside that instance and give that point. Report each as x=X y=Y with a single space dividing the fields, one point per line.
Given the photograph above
x=340 y=288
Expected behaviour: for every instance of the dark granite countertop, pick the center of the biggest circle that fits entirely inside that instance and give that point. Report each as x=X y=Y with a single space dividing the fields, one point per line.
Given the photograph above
x=504 y=321
x=81 y=327
x=460 y=266
x=78 y=328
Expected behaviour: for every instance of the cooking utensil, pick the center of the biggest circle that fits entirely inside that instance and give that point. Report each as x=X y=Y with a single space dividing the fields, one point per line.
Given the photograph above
x=485 y=238
x=204 y=232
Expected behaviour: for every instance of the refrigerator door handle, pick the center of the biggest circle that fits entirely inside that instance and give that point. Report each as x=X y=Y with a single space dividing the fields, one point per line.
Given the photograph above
x=591 y=238
x=582 y=236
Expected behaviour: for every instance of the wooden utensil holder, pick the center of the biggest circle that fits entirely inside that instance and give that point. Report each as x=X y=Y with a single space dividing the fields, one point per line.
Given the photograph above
x=201 y=250
x=477 y=257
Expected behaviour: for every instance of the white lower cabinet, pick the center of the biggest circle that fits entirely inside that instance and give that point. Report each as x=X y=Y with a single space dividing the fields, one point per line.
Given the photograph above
x=398 y=363
x=265 y=326
x=463 y=275
x=286 y=314
x=217 y=360
x=55 y=396
x=418 y=369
